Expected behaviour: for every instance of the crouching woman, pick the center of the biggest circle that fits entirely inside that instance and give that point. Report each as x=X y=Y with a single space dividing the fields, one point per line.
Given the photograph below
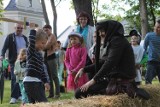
x=116 y=71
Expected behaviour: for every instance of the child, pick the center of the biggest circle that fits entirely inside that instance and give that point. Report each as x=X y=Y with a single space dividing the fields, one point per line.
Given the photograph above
x=19 y=71
x=138 y=55
x=75 y=59
x=35 y=78
x=60 y=61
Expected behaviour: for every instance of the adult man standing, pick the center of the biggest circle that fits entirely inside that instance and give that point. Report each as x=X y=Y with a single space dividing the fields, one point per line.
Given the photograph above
x=13 y=43
x=152 y=44
x=52 y=63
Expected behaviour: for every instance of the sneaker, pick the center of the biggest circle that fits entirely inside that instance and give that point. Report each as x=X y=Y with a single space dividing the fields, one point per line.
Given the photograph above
x=13 y=101
x=20 y=98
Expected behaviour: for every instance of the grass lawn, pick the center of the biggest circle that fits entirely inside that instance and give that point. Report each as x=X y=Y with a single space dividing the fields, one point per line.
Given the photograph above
x=7 y=91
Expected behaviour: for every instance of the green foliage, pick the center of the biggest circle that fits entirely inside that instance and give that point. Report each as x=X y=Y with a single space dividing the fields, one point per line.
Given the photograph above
x=1 y=7
x=132 y=15
x=128 y=10
x=104 y=11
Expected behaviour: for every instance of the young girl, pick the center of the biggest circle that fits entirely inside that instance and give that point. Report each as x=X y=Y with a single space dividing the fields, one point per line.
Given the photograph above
x=75 y=59
x=19 y=71
x=138 y=55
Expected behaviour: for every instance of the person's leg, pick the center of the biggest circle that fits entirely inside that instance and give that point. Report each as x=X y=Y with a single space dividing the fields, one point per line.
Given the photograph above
x=55 y=78
x=20 y=87
x=15 y=91
x=23 y=93
x=35 y=90
x=13 y=77
x=158 y=72
x=138 y=78
x=92 y=90
x=29 y=90
x=150 y=73
x=40 y=95
x=60 y=72
x=50 y=73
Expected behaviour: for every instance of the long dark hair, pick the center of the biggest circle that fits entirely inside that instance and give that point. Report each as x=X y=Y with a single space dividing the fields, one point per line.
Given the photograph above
x=83 y=14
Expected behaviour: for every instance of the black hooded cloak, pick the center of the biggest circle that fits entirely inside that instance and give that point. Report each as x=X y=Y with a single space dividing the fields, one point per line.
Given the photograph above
x=118 y=60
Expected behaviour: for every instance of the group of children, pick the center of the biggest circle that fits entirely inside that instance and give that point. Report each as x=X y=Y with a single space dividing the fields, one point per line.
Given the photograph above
x=30 y=70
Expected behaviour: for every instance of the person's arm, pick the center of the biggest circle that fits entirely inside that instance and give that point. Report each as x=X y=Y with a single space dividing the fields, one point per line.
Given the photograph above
x=91 y=68
x=140 y=55
x=17 y=68
x=31 y=47
x=146 y=42
x=45 y=79
x=44 y=76
x=67 y=60
x=82 y=63
x=115 y=53
x=5 y=47
x=46 y=72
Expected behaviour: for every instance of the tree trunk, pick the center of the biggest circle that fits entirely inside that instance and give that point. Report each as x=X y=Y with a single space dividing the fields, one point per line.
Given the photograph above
x=84 y=5
x=151 y=5
x=44 y=12
x=144 y=18
x=54 y=17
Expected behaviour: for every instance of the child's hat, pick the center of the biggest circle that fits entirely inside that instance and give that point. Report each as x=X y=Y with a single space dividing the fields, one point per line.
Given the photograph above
x=133 y=33
x=75 y=34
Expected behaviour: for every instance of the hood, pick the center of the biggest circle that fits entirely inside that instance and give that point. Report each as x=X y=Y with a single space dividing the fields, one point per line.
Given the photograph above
x=111 y=28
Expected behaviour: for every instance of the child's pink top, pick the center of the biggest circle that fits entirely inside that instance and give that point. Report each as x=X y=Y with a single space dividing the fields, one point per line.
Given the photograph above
x=75 y=57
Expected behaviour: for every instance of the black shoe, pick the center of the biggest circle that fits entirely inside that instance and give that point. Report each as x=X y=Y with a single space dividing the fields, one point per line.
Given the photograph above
x=50 y=96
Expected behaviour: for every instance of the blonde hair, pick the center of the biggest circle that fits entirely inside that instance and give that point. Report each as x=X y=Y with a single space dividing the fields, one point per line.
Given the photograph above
x=80 y=39
x=40 y=35
x=22 y=52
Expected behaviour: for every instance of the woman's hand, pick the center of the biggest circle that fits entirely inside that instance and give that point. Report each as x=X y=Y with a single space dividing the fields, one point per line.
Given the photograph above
x=74 y=73
x=78 y=75
x=85 y=87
